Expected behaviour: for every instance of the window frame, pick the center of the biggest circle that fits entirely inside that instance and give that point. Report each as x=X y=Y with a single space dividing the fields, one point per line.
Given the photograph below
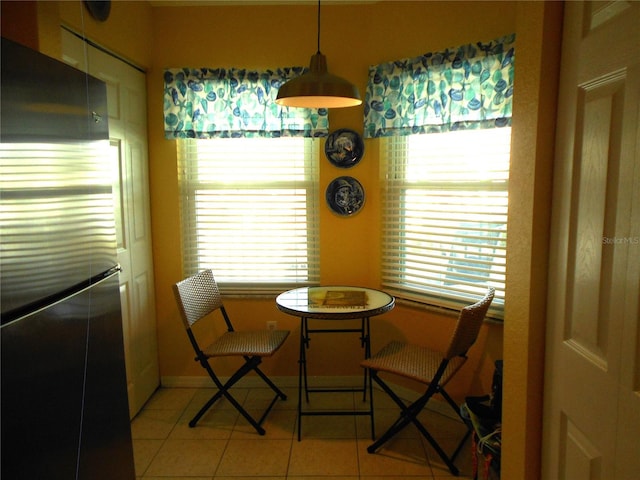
x=396 y=248
x=189 y=188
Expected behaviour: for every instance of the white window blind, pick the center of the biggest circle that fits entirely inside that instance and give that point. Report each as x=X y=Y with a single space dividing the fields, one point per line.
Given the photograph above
x=445 y=216
x=249 y=211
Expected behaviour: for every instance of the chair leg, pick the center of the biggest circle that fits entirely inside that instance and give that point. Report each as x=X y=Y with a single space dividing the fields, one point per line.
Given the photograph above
x=279 y=393
x=223 y=390
x=409 y=415
x=456 y=408
x=272 y=385
x=402 y=421
x=205 y=407
x=408 y=412
x=371 y=410
x=445 y=458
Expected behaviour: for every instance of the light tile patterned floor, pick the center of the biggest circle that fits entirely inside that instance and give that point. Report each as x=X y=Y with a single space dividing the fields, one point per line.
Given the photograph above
x=223 y=446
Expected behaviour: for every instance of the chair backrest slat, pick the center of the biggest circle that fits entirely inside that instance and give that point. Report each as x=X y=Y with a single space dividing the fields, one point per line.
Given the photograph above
x=468 y=326
x=197 y=297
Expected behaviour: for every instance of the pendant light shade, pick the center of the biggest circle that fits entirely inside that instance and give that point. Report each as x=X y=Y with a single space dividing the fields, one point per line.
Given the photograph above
x=318 y=88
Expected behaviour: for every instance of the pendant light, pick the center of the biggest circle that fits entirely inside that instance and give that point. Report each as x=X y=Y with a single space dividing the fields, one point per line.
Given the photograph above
x=318 y=88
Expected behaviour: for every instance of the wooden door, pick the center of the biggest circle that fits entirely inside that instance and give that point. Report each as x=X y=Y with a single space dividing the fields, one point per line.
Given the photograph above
x=126 y=96
x=592 y=368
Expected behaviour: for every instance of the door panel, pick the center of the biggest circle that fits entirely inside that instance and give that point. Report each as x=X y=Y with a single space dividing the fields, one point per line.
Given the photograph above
x=592 y=402
x=595 y=184
x=582 y=459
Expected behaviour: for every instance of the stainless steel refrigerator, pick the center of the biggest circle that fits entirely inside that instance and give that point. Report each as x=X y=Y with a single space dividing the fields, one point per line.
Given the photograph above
x=64 y=407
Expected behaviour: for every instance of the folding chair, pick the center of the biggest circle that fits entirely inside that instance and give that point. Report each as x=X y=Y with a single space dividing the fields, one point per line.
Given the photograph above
x=197 y=297
x=429 y=367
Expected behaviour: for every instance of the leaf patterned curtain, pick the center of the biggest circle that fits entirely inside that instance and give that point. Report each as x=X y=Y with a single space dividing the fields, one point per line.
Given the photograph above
x=459 y=88
x=223 y=103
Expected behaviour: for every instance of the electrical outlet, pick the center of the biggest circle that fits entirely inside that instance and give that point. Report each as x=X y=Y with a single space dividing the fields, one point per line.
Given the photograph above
x=272 y=325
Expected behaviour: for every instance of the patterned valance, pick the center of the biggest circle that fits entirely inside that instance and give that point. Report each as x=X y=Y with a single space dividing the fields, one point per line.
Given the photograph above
x=223 y=103
x=464 y=87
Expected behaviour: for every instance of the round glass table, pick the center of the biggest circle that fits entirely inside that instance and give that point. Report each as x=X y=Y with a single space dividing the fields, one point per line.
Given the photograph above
x=333 y=303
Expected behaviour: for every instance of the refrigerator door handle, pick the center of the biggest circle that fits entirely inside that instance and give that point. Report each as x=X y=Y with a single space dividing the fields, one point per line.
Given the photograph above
x=117 y=268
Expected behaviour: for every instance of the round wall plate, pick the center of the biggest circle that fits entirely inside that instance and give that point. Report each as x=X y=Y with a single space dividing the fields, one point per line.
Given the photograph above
x=344 y=148
x=99 y=9
x=345 y=196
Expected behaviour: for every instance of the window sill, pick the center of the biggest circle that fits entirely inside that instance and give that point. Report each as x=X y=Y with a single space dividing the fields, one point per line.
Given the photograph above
x=440 y=310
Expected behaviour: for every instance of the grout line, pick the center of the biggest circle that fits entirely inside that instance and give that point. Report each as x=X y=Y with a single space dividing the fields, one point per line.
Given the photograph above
x=359 y=438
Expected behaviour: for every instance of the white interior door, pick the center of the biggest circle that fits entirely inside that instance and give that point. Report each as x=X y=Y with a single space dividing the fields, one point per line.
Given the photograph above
x=126 y=96
x=592 y=373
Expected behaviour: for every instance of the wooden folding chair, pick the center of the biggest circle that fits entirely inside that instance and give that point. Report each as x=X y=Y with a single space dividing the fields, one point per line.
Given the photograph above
x=197 y=297
x=430 y=367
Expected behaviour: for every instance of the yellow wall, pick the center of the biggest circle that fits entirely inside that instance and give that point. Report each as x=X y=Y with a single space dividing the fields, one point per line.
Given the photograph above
x=353 y=37
x=127 y=32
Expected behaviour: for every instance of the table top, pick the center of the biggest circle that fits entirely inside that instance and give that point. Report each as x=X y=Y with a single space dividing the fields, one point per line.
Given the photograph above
x=336 y=302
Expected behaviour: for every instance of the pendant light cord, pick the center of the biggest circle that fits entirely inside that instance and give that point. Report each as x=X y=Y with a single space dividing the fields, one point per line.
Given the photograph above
x=318 y=26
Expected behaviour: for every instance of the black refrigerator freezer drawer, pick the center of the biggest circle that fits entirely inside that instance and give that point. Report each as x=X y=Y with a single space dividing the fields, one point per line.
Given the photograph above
x=64 y=399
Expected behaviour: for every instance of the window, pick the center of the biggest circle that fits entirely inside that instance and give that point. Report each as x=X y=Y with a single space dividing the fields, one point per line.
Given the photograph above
x=445 y=216
x=444 y=121
x=249 y=211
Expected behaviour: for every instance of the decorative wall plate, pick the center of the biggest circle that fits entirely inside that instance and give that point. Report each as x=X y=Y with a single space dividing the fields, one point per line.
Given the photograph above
x=99 y=9
x=345 y=196
x=344 y=148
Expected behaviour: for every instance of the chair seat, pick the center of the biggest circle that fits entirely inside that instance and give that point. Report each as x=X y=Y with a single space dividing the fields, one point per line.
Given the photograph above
x=260 y=343
x=412 y=361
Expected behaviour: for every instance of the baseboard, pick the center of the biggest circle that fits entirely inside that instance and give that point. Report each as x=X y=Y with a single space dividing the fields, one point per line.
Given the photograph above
x=435 y=404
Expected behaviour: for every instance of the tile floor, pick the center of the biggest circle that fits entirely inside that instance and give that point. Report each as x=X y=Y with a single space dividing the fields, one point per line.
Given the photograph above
x=224 y=446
